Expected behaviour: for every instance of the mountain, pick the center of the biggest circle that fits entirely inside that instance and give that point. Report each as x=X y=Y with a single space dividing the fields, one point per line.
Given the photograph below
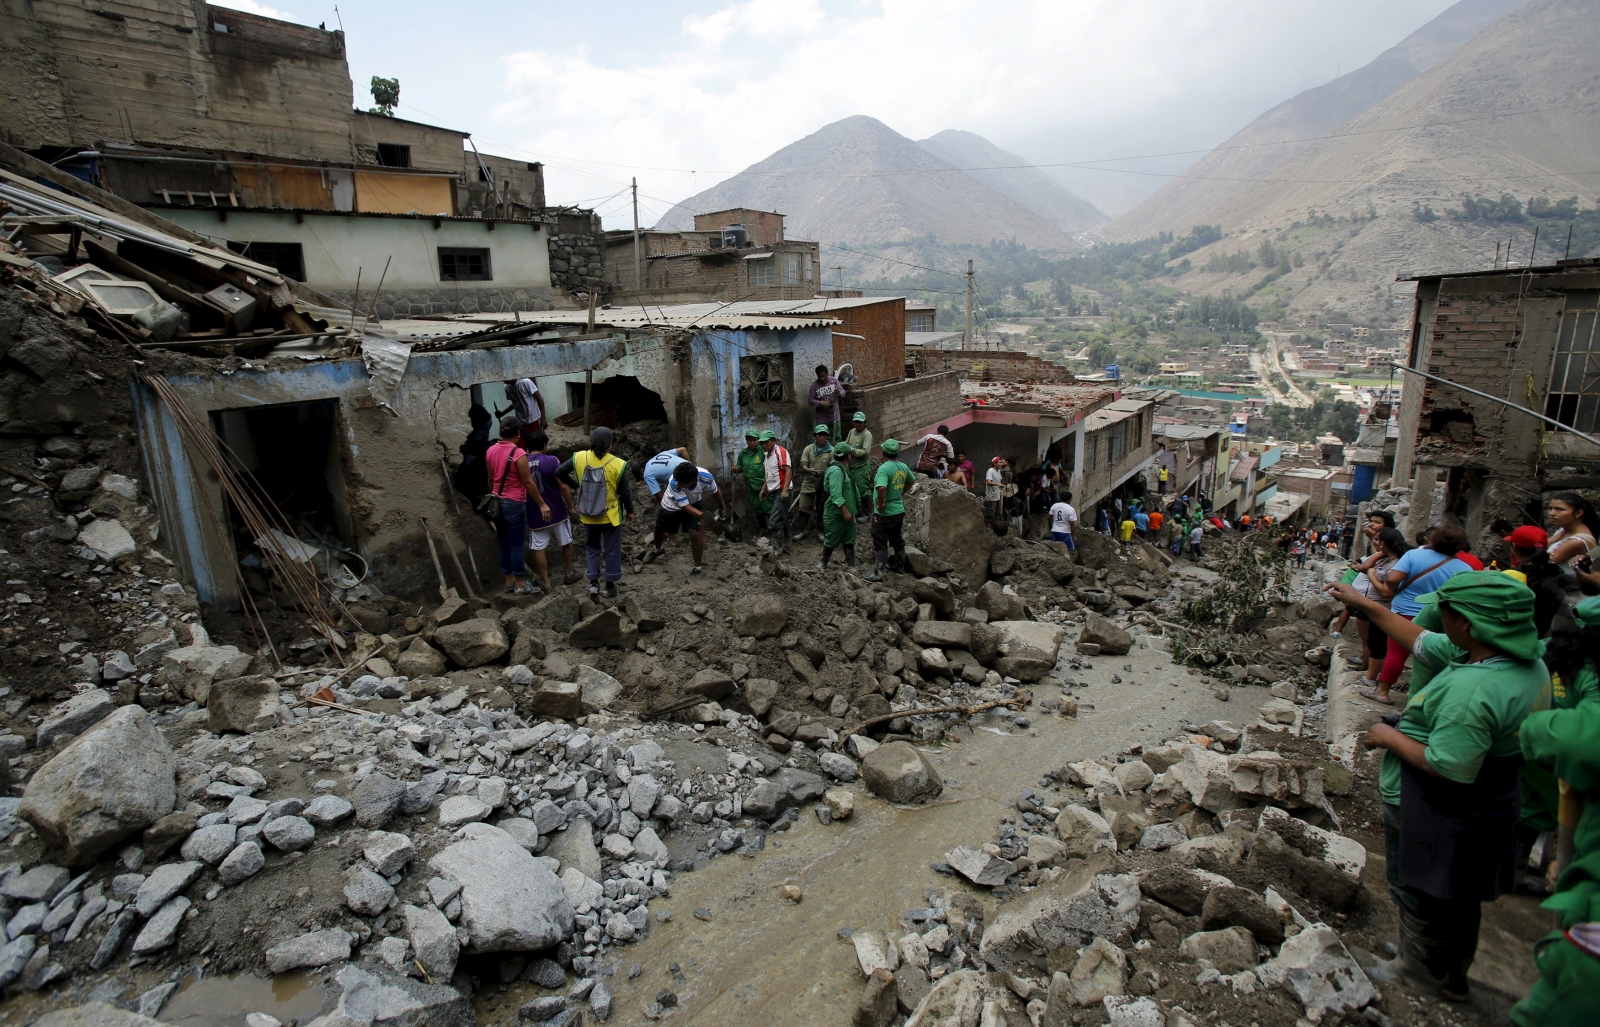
x=859 y=182
x=1267 y=143
x=1510 y=111
x=1009 y=174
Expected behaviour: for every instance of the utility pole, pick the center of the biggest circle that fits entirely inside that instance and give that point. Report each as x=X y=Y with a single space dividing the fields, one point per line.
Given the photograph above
x=638 y=284
x=966 y=342
x=839 y=268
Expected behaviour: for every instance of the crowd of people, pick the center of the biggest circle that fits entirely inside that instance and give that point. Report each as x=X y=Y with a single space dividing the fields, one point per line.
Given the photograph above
x=1491 y=765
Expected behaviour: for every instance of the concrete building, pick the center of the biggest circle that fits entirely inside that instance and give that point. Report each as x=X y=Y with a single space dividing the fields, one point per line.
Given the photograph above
x=1191 y=455
x=1527 y=334
x=735 y=254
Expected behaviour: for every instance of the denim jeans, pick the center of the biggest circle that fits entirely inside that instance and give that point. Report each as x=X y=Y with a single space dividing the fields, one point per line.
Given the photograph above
x=512 y=528
x=603 y=541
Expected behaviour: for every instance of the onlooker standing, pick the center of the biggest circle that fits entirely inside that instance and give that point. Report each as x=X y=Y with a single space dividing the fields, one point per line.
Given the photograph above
x=1577 y=530
x=969 y=473
x=1372 y=581
x=681 y=510
x=1162 y=479
x=994 y=480
x=775 y=489
x=1196 y=534
x=826 y=392
x=549 y=522
x=889 y=510
x=526 y=405
x=1127 y=528
x=508 y=479
x=860 y=439
x=1141 y=522
x=603 y=497
x=1064 y=521
x=751 y=465
x=1415 y=574
x=815 y=459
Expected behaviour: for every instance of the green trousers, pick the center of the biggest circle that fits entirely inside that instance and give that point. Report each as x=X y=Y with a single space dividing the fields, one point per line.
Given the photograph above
x=836 y=531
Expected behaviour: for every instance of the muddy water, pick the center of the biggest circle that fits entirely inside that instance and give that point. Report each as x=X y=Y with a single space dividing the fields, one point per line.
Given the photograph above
x=224 y=1001
x=760 y=960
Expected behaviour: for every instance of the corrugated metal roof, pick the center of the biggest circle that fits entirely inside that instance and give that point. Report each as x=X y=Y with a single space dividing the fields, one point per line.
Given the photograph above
x=1186 y=432
x=683 y=315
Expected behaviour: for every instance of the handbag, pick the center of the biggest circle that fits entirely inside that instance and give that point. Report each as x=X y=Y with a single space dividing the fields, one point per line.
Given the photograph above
x=489 y=506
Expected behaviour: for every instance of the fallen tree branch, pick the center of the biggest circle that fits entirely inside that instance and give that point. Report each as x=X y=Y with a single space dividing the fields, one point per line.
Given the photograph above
x=1022 y=698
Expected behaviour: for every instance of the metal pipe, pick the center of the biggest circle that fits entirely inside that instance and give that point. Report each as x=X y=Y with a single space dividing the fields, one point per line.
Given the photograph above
x=1497 y=399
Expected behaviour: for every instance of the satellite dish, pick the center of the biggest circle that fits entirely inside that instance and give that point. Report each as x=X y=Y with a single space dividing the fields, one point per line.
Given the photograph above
x=846 y=374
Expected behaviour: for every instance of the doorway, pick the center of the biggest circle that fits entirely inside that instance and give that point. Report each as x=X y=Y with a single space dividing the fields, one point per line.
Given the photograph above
x=291 y=452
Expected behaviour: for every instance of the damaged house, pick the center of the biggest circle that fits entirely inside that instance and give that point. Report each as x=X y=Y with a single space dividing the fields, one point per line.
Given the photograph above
x=1525 y=335
x=241 y=129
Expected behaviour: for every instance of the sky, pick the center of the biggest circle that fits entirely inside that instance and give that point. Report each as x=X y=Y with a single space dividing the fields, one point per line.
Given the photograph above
x=684 y=94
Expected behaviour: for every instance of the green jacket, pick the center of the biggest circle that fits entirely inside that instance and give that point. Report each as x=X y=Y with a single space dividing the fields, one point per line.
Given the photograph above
x=841 y=491
x=752 y=464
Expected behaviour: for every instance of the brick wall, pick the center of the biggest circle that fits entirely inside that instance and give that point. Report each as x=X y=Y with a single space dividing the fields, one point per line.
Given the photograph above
x=997 y=365
x=899 y=409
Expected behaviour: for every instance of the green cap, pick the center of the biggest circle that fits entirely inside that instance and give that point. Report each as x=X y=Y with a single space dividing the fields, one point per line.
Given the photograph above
x=843 y=449
x=1587 y=612
x=891 y=446
x=821 y=429
x=752 y=433
x=861 y=415
x=767 y=436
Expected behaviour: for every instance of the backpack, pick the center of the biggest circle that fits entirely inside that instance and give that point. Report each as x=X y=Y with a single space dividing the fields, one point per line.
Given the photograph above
x=593 y=500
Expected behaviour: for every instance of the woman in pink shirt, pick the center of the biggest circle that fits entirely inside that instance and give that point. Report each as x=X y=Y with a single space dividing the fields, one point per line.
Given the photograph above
x=509 y=479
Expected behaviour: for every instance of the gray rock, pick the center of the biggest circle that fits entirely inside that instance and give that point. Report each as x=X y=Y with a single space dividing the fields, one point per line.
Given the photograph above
x=1069 y=907
x=71 y=718
x=112 y=781
x=289 y=834
x=761 y=616
x=523 y=830
x=1112 y=640
x=461 y=809
x=420 y=795
x=162 y=929
x=1229 y=950
x=558 y=699
x=27 y=919
x=942 y=634
x=365 y=892
x=979 y=867
x=246 y=705
x=643 y=791
x=899 y=772
x=647 y=847
x=472 y=643
x=150 y=1002
x=14 y=956
x=600 y=1001
x=597 y=632
x=210 y=844
x=839 y=766
x=318 y=948
x=376 y=798
x=41 y=884
x=574 y=847
x=434 y=941
x=599 y=690
x=1162 y=836
x=246 y=809
x=711 y=683
x=1084 y=832
x=163 y=883
x=509 y=900
x=582 y=892
x=327 y=810
x=243 y=863
x=117 y=666
x=371 y=998
x=388 y=852
x=420 y=660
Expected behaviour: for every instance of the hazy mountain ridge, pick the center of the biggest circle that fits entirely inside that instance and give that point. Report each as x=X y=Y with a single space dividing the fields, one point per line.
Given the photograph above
x=1008 y=173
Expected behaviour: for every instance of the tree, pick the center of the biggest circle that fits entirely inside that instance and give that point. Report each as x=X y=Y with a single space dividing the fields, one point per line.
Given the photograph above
x=386 y=94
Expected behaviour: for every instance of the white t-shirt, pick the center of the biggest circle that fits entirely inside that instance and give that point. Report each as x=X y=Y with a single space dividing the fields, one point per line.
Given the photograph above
x=676 y=498
x=1197 y=534
x=1063 y=518
x=993 y=479
x=524 y=396
x=936 y=447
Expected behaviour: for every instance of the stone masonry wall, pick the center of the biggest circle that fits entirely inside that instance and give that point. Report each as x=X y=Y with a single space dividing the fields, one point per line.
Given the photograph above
x=577 y=253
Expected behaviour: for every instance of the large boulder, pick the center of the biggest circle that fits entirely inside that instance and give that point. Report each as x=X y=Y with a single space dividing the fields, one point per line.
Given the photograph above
x=472 y=643
x=942 y=634
x=368 y=998
x=95 y=1014
x=189 y=671
x=760 y=616
x=510 y=901
x=1112 y=640
x=1316 y=966
x=945 y=521
x=1229 y=950
x=245 y=705
x=112 y=781
x=1070 y=906
x=597 y=632
x=999 y=604
x=1319 y=863
x=1028 y=648
x=900 y=772
x=420 y=660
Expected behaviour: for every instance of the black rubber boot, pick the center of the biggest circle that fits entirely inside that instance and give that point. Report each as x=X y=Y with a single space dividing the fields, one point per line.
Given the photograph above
x=850 y=557
x=827 y=554
x=877 y=571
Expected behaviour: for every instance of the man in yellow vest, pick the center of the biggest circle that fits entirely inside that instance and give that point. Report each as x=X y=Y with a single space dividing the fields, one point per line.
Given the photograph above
x=603 y=495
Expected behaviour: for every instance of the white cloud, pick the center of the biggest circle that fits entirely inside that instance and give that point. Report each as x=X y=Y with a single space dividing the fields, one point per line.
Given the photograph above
x=747 y=78
x=251 y=7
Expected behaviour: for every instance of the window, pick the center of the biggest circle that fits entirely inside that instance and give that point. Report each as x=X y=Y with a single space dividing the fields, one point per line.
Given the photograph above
x=1117 y=442
x=464 y=264
x=394 y=155
x=791 y=269
x=284 y=257
x=764 y=381
x=762 y=272
x=920 y=322
x=1574 y=396
x=1091 y=452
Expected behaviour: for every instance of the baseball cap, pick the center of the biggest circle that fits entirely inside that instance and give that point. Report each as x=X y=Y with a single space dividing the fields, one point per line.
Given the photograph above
x=891 y=446
x=752 y=433
x=843 y=449
x=768 y=435
x=821 y=429
x=861 y=415
x=1529 y=536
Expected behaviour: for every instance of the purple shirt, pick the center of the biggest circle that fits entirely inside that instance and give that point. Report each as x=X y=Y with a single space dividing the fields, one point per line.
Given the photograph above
x=827 y=404
x=542 y=469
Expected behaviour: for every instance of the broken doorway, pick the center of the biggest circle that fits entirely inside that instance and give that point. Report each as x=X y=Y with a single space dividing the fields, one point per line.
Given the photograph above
x=615 y=401
x=291 y=452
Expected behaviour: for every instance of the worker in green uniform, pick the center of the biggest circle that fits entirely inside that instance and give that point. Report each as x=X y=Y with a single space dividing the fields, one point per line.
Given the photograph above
x=815 y=459
x=1567 y=741
x=1572 y=681
x=860 y=439
x=1452 y=835
x=889 y=510
x=839 y=507
x=752 y=468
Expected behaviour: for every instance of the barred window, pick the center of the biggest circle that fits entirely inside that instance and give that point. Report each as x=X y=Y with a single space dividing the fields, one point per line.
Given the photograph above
x=464 y=264
x=1574 y=393
x=764 y=381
